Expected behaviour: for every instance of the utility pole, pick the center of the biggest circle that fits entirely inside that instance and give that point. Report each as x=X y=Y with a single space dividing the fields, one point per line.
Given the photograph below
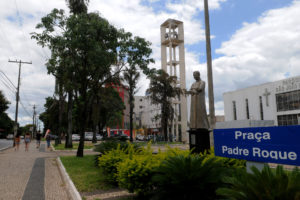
x=33 y=121
x=18 y=91
x=37 y=123
x=209 y=68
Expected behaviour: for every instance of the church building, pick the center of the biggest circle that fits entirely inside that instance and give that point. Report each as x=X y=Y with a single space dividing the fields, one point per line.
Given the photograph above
x=278 y=101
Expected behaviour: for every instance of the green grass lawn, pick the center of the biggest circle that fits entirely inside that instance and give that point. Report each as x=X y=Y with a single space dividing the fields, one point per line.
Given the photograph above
x=75 y=146
x=84 y=174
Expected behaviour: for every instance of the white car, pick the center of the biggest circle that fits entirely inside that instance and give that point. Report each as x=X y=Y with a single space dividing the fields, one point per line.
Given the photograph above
x=99 y=137
x=140 y=137
x=75 y=137
x=88 y=136
x=10 y=136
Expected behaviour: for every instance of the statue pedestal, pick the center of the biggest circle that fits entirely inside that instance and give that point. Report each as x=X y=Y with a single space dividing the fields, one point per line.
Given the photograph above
x=199 y=140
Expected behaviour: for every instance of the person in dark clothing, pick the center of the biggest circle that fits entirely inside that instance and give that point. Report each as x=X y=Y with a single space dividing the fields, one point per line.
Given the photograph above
x=38 y=139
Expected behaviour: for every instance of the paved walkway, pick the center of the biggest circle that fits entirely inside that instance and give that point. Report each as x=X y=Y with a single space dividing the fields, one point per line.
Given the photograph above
x=31 y=175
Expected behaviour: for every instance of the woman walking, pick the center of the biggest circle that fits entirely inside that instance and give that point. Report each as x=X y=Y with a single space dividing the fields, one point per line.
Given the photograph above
x=48 y=138
x=27 y=141
x=17 y=142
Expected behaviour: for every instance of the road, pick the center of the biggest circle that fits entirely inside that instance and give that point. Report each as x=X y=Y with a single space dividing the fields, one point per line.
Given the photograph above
x=5 y=143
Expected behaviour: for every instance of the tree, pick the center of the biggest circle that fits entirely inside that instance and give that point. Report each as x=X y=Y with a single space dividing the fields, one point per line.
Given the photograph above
x=3 y=103
x=267 y=184
x=135 y=55
x=50 y=117
x=162 y=90
x=5 y=122
x=86 y=48
x=131 y=76
x=84 y=37
x=77 y=6
x=107 y=110
x=111 y=108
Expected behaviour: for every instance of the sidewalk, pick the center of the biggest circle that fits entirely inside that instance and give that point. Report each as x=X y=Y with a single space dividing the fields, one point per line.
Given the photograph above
x=31 y=175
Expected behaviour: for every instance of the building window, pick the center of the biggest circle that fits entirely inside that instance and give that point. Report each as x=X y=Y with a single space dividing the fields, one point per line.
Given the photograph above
x=247 y=109
x=285 y=120
x=288 y=101
x=261 y=110
x=234 y=110
x=141 y=107
x=141 y=99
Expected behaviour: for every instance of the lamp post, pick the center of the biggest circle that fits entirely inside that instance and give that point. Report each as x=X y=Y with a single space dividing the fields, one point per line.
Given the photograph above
x=209 y=68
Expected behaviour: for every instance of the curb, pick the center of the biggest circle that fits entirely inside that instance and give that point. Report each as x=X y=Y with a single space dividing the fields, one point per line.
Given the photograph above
x=71 y=189
x=5 y=148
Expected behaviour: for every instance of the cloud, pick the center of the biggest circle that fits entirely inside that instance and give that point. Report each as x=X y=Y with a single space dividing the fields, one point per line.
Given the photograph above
x=263 y=51
x=19 y=18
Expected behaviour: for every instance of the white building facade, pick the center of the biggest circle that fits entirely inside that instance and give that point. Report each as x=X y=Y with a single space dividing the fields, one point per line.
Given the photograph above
x=146 y=113
x=278 y=101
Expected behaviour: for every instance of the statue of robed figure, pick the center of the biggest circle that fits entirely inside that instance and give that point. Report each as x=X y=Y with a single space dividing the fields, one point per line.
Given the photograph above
x=198 y=115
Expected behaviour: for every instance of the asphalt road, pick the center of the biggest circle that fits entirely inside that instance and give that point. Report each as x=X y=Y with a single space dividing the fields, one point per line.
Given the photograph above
x=5 y=143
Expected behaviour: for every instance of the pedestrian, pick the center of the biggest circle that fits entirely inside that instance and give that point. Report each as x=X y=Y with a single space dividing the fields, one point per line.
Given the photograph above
x=48 y=137
x=38 y=139
x=27 y=141
x=17 y=142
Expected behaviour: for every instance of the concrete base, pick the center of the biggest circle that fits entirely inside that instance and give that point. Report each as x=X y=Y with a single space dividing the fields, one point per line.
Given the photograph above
x=199 y=140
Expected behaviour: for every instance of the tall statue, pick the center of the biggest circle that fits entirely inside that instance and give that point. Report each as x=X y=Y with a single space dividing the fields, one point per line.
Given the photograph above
x=198 y=115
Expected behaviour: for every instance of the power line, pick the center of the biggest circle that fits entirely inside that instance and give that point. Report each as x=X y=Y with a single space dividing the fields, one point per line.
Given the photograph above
x=7 y=86
x=26 y=111
x=8 y=79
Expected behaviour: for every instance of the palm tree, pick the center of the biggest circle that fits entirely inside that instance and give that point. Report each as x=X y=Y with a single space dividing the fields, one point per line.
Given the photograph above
x=131 y=76
x=267 y=184
x=188 y=177
x=161 y=91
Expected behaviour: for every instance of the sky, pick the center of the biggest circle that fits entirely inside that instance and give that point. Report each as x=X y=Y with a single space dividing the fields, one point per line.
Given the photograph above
x=253 y=42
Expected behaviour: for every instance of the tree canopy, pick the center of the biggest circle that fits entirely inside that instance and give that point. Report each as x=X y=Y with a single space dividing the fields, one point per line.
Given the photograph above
x=162 y=90
x=5 y=122
x=3 y=103
x=87 y=53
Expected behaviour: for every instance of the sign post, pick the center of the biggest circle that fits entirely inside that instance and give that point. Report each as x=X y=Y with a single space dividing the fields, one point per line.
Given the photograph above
x=277 y=144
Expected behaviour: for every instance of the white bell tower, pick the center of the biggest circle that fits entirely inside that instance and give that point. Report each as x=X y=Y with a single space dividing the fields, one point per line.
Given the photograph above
x=173 y=62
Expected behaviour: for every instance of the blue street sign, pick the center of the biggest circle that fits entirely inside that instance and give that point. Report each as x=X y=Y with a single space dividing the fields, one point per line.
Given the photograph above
x=277 y=144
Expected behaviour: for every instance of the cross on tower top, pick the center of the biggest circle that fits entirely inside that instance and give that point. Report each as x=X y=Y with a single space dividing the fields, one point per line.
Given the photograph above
x=267 y=94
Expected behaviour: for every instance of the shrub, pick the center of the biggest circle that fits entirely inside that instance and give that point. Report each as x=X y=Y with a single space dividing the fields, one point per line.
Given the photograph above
x=135 y=172
x=267 y=185
x=109 y=162
x=187 y=177
x=225 y=162
x=111 y=144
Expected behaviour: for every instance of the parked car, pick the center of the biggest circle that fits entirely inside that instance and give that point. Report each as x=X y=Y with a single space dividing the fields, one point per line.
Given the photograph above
x=10 y=136
x=88 y=136
x=140 y=137
x=99 y=137
x=75 y=137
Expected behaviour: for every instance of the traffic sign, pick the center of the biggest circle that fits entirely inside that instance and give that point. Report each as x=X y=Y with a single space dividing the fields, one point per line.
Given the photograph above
x=277 y=144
